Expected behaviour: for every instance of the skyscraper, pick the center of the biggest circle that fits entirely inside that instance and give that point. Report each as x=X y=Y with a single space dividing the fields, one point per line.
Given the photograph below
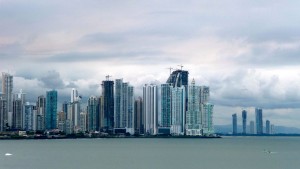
x=41 y=113
x=7 y=89
x=204 y=94
x=268 y=127
x=179 y=78
x=29 y=117
x=2 y=112
x=65 y=108
x=18 y=111
x=178 y=111
x=92 y=113
x=17 y=114
x=130 y=110
x=74 y=95
x=107 y=122
x=166 y=105
x=124 y=105
x=252 y=130
x=259 y=121
x=193 y=115
x=51 y=110
x=234 y=124
x=207 y=111
x=150 y=109
x=83 y=121
x=244 y=116
x=138 y=116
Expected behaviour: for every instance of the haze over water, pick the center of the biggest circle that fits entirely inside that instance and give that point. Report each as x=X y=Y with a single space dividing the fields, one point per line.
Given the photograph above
x=225 y=153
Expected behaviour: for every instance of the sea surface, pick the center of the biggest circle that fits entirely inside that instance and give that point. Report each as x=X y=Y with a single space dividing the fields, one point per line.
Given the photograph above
x=152 y=153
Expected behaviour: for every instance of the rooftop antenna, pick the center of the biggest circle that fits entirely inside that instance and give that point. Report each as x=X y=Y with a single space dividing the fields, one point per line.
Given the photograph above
x=181 y=66
x=107 y=77
x=170 y=68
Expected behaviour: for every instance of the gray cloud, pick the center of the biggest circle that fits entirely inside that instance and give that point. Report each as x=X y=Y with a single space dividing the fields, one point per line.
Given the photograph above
x=52 y=80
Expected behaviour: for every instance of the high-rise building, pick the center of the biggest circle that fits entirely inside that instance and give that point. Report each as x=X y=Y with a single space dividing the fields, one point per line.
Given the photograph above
x=234 y=124
x=207 y=111
x=41 y=113
x=17 y=115
x=179 y=78
x=92 y=113
x=138 y=116
x=130 y=110
x=166 y=105
x=65 y=108
x=61 y=120
x=18 y=111
x=124 y=105
x=74 y=95
x=272 y=129
x=2 y=112
x=193 y=115
x=107 y=113
x=51 y=110
x=83 y=121
x=178 y=111
x=29 y=117
x=244 y=116
x=150 y=109
x=204 y=94
x=259 y=121
x=7 y=89
x=268 y=127
x=252 y=129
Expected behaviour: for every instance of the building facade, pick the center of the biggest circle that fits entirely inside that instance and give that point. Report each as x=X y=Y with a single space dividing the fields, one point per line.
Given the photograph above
x=107 y=112
x=193 y=115
x=166 y=105
x=150 y=109
x=259 y=120
x=244 y=116
x=7 y=89
x=234 y=124
x=51 y=110
x=178 y=111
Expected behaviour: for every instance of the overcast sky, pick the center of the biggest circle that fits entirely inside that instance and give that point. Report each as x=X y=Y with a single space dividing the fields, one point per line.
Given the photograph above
x=248 y=52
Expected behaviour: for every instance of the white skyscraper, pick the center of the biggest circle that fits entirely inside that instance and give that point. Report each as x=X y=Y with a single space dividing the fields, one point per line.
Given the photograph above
x=178 y=111
x=193 y=115
x=74 y=95
x=74 y=110
x=150 y=108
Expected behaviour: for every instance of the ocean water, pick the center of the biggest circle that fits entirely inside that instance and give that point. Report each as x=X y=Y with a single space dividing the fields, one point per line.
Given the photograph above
x=141 y=153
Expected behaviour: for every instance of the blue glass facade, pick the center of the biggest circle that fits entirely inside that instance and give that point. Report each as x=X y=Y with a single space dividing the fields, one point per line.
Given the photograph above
x=51 y=110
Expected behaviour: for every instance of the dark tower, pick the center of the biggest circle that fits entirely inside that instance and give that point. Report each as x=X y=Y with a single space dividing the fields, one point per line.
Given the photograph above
x=108 y=105
x=180 y=78
x=234 y=124
x=244 y=115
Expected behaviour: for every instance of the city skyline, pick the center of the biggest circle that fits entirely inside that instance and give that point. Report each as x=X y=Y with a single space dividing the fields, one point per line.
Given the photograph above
x=50 y=45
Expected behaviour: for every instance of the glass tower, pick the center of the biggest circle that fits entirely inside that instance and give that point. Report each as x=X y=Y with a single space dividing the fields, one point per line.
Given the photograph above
x=51 y=110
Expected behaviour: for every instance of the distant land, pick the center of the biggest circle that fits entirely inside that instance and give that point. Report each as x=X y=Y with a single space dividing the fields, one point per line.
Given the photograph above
x=278 y=129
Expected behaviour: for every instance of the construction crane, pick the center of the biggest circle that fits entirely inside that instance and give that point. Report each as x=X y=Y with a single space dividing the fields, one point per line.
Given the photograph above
x=170 y=68
x=107 y=77
x=181 y=66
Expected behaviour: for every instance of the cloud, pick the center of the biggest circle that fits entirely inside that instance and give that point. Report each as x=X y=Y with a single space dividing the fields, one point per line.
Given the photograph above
x=52 y=80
